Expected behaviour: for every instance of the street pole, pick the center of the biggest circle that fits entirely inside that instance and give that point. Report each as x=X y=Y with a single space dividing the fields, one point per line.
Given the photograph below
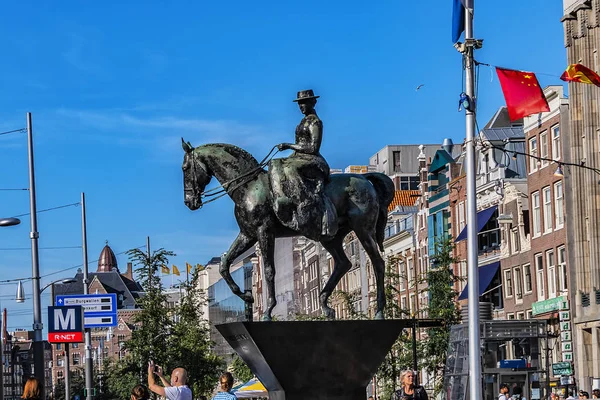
x=38 y=344
x=414 y=351
x=89 y=362
x=67 y=373
x=475 y=377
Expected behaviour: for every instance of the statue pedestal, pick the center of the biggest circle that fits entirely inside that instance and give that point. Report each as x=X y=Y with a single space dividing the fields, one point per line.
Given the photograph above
x=314 y=360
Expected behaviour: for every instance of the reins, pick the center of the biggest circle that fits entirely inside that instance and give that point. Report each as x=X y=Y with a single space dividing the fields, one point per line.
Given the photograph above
x=221 y=190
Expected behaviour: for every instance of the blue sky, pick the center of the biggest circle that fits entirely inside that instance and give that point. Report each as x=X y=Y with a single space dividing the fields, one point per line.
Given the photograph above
x=112 y=87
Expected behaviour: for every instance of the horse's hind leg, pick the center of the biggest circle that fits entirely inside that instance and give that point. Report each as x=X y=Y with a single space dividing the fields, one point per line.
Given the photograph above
x=370 y=245
x=239 y=246
x=266 y=241
x=341 y=265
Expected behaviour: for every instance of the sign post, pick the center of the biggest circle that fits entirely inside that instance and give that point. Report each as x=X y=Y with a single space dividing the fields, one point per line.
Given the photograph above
x=100 y=310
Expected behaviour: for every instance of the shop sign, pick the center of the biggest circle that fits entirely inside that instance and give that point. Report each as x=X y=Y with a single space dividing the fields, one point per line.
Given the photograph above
x=567 y=356
x=562 y=368
x=549 y=305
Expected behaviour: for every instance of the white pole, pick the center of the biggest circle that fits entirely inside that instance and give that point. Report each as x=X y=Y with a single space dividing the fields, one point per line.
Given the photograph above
x=475 y=377
x=89 y=362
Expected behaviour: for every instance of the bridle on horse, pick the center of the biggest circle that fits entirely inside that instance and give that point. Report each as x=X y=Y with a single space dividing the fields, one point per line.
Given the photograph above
x=222 y=189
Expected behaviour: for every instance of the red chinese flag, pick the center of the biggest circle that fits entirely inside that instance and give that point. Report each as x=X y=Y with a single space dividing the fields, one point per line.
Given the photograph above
x=579 y=73
x=522 y=93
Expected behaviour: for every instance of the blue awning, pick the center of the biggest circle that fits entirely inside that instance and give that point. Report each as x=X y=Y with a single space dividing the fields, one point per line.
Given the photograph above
x=482 y=218
x=486 y=274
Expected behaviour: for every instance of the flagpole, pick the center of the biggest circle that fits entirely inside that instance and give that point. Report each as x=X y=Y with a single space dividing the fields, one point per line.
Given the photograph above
x=475 y=377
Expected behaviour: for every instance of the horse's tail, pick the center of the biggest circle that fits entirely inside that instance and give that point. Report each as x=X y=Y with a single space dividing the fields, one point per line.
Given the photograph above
x=384 y=186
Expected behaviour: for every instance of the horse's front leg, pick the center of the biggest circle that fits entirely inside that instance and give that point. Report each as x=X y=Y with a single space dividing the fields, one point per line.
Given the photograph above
x=266 y=241
x=239 y=246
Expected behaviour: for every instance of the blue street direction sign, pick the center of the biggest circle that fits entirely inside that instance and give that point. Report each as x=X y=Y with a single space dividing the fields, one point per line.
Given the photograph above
x=99 y=310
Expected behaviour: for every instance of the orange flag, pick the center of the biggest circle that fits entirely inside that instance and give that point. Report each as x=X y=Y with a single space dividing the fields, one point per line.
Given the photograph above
x=579 y=73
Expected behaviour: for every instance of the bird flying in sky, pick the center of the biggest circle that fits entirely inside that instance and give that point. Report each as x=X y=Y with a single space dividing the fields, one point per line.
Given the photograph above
x=420 y=86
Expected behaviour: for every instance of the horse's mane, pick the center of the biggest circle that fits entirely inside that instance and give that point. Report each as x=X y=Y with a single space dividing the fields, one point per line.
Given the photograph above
x=234 y=151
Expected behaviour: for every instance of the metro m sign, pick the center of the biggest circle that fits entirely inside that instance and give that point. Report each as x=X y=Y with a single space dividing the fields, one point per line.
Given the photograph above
x=65 y=324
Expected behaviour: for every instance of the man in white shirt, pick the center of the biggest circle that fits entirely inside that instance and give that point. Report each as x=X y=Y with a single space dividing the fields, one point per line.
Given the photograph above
x=177 y=389
x=503 y=392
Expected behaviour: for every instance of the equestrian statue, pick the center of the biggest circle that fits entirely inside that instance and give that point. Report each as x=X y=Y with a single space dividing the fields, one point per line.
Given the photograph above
x=296 y=196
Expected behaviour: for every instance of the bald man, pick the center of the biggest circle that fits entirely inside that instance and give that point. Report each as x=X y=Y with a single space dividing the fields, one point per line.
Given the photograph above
x=177 y=389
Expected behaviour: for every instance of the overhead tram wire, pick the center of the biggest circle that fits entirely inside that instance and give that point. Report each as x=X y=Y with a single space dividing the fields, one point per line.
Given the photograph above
x=41 y=248
x=22 y=130
x=49 y=209
x=12 y=281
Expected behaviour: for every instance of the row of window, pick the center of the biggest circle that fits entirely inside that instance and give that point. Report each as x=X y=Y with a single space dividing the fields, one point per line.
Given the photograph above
x=544 y=220
x=544 y=150
x=550 y=276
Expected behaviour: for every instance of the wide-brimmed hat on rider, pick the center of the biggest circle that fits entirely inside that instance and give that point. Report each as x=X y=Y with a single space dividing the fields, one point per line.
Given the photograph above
x=304 y=95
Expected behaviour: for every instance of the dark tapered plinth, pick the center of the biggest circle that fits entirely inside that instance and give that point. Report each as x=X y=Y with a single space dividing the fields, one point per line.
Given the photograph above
x=314 y=360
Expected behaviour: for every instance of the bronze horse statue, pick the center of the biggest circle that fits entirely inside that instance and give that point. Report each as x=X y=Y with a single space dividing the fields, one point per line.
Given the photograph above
x=361 y=202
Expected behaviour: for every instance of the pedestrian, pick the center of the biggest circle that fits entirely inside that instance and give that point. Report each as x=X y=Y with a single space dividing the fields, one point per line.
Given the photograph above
x=177 y=389
x=32 y=389
x=225 y=385
x=596 y=394
x=583 y=394
x=518 y=393
x=140 y=392
x=503 y=392
x=408 y=390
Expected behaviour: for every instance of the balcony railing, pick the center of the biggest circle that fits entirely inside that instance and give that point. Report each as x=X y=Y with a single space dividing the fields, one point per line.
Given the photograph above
x=398 y=226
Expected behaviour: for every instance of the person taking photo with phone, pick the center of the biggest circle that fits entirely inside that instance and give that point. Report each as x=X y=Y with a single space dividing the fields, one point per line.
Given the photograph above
x=176 y=389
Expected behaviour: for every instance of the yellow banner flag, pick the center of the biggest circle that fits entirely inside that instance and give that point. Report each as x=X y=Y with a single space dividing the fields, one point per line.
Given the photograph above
x=164 y=269
x=189 y=267
x=176 y=270
x=200 y=267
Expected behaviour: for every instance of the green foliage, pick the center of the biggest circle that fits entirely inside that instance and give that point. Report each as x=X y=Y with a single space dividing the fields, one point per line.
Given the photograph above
x=400 y=356
x=442 y=305
x=77 y=384
x=240 y=369
x=170 y=337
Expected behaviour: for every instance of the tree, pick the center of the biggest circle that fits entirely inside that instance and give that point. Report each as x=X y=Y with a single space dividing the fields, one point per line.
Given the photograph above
x=188 y=346
x=400 y=355
x=240 y=369
x=170 y=337
x=442 y=305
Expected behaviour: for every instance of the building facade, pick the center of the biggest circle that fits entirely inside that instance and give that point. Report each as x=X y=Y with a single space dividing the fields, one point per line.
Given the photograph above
x=581 y=23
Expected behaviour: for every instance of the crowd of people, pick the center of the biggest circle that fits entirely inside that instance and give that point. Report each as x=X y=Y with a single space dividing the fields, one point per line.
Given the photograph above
x=174 y=389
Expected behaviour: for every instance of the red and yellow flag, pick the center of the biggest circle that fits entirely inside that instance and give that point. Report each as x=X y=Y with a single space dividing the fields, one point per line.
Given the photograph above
x=580 y=73
x=175 y=270
x=522 y=93
x=164 y=269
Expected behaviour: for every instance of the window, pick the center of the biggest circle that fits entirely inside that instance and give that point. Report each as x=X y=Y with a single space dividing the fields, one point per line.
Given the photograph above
x=537 y=218
x=539 y=269
x=413 y=305
x=403 y=303
x=58 y=346
x=544 y=148
x=396 y=157
x=74 y=345
x=461 y=217
x=514 y=233
x=411 y=272
x=533 y=152
x=556 y=150
x=547 y=209
x=401 y=274
x=529 y=314
x=76 y=359
x=518 y=283
x=551 y=266
x=527 y=276
x=562 y=269
x=559 y=211
x=510 y=316
x=521 y=315
x=463 y=274
x=508 y=287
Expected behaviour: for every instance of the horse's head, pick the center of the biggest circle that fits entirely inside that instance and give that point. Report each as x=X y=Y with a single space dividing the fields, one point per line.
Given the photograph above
x=195 y=177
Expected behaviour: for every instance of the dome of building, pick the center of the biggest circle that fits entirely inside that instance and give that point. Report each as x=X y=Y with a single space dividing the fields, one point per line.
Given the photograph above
x=107 y=260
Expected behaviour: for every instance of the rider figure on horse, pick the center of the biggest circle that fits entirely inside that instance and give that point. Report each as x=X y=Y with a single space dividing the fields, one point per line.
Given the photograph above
x=298 y=181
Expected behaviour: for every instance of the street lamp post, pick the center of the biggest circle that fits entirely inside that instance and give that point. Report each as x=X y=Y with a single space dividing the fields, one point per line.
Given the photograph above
x=4 y=222
x=38 y=344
